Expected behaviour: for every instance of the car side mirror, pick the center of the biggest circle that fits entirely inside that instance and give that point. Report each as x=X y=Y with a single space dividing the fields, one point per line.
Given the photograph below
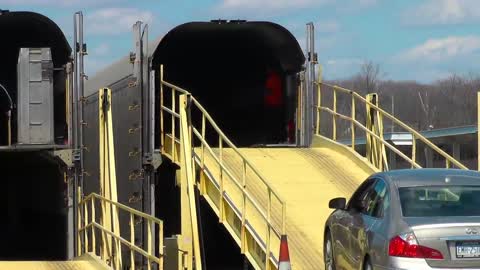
x=337 y=203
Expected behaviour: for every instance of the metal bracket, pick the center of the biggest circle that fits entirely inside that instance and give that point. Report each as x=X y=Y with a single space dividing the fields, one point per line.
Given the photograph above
x=133 y=107
x=132 y=57
x=132 y=84
x=136 y=175
x=76 y=155
x=156 y=160
x=135 y=198
x=134 y=129
x=134 y=152
x=65 y=155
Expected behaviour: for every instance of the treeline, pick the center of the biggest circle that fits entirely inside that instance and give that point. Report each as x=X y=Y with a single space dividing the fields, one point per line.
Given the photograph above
x=445 y=103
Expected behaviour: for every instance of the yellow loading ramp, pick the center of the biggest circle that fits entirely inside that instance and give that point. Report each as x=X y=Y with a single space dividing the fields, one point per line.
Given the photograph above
x=85 y=262
x=307 y=178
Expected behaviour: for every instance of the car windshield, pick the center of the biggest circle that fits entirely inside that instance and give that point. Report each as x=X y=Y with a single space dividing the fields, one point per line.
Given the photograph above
x=440 y=201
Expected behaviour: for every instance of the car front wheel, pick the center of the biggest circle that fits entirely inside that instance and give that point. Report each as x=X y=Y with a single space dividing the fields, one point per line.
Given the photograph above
x=328 y=256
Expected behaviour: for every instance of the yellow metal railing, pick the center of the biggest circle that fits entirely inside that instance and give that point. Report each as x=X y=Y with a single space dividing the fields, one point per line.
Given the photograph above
x=90 y=227
x=374 y=135
x=274 y=218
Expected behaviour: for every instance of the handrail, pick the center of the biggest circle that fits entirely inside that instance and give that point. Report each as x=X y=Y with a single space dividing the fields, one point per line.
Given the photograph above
x=87 y=234
x=383 y=141
x=415 y=134
x=236 y=182
x=235 y=149
x=271 y=197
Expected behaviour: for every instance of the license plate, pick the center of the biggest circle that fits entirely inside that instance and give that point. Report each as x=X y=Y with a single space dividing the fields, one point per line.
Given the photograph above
x=468 y=249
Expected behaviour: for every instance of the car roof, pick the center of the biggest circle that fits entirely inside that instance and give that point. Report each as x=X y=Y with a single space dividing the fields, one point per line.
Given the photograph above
x=431 y=177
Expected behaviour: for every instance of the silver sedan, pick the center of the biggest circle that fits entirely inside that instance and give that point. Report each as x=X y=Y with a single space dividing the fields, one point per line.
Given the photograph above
x=407 y=219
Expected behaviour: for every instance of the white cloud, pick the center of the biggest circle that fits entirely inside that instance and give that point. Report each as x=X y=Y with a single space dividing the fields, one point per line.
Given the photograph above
x=274 y=7
x=54 y=2
x=268 y=4
x=344 y=62
x=442 y=49
x=434 y=12
x=327 y=26
x=114 y=21
x=101 y=50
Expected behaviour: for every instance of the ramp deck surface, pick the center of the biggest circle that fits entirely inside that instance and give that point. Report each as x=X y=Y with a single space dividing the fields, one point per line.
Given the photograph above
x=306 y=178
x=84 y=262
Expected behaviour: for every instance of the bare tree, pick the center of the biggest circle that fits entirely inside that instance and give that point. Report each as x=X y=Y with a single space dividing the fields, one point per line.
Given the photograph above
x=369 y=77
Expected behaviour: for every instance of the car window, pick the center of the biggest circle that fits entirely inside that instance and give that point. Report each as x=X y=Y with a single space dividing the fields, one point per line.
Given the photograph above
x=360 y=197
x=440 y=201
x=379 y=199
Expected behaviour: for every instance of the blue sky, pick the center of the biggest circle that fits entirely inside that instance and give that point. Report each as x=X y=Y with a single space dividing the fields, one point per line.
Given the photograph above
x=422 y=40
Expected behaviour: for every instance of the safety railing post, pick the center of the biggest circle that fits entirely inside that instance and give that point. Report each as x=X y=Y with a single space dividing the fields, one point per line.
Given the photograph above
x=244 y=207
x=269 y=216
x=162 y=130
x=203 y=145
x=85 y=222
x=222 y=187
x=173 y=124
x=132 y=241
x=319 y=99
x=94 y=244
x=334 y=116
x=160 y=245
x=414 y=149
x=79 y=222
x=352 y=124
x=478 y=131
x=149 y=244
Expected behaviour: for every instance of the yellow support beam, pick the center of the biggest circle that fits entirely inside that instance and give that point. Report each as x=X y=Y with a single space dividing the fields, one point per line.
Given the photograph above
x=187 y=188
x=108 y=178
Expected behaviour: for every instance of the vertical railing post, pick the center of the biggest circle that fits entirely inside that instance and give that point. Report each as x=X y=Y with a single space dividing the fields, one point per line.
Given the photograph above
x=94 y=244
x=85 y=223
x=222 y=187
x=244 y=206
x=149 y=243
x=173 y=124
x=204 y=139
x=269 y=228
x=334 y=116
x=162 y=131
x=478 y=131
x=160 y=245
x=414 y=150
x=132 y=241
x=79 y=221
x=319 y=99
x=352 y=126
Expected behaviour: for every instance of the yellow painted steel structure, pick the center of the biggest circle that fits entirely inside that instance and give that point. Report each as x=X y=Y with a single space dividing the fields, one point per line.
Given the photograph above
x=84 y=262
x=111 y=242
x=375 y=114
x=249 y=188
x=109 y=248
